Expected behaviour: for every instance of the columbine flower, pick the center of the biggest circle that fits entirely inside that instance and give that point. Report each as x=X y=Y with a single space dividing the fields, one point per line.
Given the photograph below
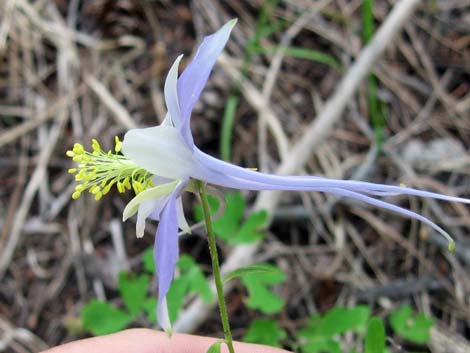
x=159 y=163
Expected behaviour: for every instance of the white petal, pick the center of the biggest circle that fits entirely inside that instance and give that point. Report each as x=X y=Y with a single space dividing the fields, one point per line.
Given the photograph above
x=171 y=93
x=167 y=121
x=182 y=223
x=149 y=194
x=145 y=209
x=160 y=150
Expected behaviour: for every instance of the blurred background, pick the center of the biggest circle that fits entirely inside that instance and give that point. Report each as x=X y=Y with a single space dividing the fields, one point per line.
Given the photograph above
x=75 y=70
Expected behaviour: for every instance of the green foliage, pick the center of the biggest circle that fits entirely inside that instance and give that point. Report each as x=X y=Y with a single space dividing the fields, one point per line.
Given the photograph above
x=133 y=291
x=304 y=53
x=321 y=332
x=367 y=20
x=409 y=325
x=101 y=318
x=227 y=127
x=376 y=114
x=338 y=320
x=148 y=260
x=259 y=268
x=318 y=335
x=259 y=295
x=320 y=344
x=265 y=331
x=375 y=338
x=190 y=281
x=231 y=226
x=150 y=309
x=215 y=347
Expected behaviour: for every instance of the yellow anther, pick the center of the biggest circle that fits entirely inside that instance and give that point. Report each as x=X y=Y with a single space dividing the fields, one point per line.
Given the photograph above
x=451 y=246
x=78 y=149
x=137 y=187
x=76 y=195
x=95 y=145
x=106 y=189
x=91 y=176
x=72 y=170
x=70 y=154
x=95 y=190
x=127 y=183
x=118 y=144
x=98 y=196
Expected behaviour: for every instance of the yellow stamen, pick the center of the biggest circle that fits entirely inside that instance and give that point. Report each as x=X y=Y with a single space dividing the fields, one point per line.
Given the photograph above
x=97 y=171
x=118 y=144
x=78 y=149
x=95 y=145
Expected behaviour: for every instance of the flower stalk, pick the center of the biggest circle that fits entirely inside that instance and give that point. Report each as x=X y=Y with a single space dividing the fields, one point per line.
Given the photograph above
x=216 y=266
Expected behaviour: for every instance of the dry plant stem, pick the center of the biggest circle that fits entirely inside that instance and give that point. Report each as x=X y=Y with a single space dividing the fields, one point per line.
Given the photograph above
x=270 y=81
x=119 y=112
x=52 y=112
x=216 y=266
x=314 y=136
x=34 y=183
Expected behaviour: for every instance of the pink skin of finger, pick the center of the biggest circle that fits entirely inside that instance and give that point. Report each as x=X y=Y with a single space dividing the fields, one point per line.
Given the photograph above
x=150 y=341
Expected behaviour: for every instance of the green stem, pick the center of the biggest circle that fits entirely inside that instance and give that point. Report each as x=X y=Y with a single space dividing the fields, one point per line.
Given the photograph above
x=216 y=267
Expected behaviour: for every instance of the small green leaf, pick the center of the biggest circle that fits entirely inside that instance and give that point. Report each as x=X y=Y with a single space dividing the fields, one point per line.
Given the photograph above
x=259 y=296
x=409 y=325
x=321 y=344
x=186 y=262
x=249 y=231
x=306 y=54
x=176 y=295
x=375 y=338
x=198 y=283
x=190 y=280
x=265 y=331
x=339 y=320
x=101 y=318
x=227 y=224
x=148 y=260
x=230 y=225
x=133 y=290
x=150 y=308
x=253 y=269
x=227 y=127
x=215 y=347
x=319 y=333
